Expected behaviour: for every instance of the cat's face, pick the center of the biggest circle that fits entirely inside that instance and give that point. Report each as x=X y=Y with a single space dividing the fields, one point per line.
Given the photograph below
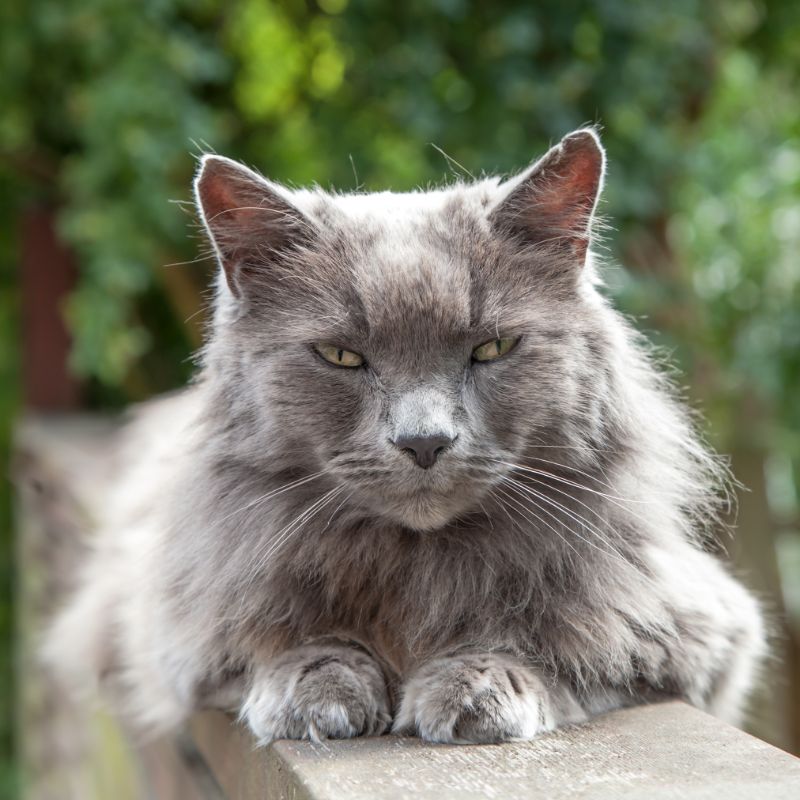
x=411 y=345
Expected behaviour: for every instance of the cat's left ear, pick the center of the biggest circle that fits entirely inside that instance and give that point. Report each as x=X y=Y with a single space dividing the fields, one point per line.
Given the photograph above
x=250 y=220
x=553 y=202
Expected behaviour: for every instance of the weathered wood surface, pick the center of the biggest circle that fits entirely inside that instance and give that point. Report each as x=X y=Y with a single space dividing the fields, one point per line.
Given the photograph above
x=656 y=752
x=70 y=752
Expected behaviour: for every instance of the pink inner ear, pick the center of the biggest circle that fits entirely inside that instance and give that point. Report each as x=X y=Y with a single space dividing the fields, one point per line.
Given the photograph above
x=249 y=222
x=240 y=207
x=216 y=196
x=222 y=189
x=564 y=193
x=552 y=205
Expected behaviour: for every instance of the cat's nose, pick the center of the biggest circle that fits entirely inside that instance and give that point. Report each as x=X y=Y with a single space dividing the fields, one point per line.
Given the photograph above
x=424 y=449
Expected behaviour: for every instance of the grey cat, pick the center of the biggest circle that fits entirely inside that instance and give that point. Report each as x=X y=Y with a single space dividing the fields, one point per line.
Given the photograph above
x=427 y=479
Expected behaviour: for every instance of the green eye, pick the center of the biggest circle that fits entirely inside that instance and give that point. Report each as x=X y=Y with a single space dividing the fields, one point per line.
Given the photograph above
x=338 y=356
x=494 y=349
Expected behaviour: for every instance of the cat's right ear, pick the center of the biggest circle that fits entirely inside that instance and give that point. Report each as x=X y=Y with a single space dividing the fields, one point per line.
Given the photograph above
x=552 y=203
x=250 y=221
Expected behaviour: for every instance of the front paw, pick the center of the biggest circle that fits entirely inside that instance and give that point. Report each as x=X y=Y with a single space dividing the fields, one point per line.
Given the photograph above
x=318 y=692
x=475 y=698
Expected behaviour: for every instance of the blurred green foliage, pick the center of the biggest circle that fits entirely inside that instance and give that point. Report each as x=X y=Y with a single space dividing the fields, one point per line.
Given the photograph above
x=9 y=369
x=105 y=102
x=737 y=230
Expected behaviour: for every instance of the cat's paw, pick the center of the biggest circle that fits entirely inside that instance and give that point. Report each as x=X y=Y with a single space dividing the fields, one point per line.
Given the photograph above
x=318 y=692
x=475 y=698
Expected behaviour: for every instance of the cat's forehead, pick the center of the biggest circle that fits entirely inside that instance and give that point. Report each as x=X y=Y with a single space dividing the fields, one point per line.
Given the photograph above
x=416 y=203
x=410 y=253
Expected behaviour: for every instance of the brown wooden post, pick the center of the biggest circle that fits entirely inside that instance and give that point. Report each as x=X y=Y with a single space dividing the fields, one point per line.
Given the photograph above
x=48 y=275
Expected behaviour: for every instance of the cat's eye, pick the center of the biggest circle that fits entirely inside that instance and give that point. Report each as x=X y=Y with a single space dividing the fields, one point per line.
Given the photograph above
x=494 y=349
x=339 y=356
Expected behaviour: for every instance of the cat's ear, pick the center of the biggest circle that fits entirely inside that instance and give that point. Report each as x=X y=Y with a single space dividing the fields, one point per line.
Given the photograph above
x=552 y=203
x=250 y=221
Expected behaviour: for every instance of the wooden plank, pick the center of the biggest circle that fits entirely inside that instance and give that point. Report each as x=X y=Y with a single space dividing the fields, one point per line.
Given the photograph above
x=668 y=751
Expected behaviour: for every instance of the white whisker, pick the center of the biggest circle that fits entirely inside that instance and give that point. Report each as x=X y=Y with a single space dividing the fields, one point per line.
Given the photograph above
x=521 y=489
x=296 y=524
x=336 y=510
x=285 y=534
x=616 y=499
x=274 y=493
x=528 y=511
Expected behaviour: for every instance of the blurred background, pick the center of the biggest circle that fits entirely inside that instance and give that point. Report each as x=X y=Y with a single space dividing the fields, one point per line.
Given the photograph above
x=104 y=105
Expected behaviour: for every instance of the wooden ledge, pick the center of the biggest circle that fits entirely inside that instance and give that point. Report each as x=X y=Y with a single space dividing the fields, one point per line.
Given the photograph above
x=664 y=751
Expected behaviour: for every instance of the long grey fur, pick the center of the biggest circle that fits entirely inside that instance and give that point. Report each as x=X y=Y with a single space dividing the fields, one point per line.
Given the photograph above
x=265 y=547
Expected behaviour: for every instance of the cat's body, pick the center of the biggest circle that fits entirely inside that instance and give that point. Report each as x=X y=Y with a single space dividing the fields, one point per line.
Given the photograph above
x=472 y=549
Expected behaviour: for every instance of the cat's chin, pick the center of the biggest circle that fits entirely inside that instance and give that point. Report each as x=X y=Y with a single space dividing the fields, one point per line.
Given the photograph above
x=425 y=522
x=422 y=514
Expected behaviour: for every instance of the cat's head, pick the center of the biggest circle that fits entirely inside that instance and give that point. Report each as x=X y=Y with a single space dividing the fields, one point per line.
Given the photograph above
x=411 y=345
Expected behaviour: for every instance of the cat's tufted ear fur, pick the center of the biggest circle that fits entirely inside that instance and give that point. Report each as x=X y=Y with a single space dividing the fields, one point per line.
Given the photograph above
x=552 y=203
x=250 y=222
